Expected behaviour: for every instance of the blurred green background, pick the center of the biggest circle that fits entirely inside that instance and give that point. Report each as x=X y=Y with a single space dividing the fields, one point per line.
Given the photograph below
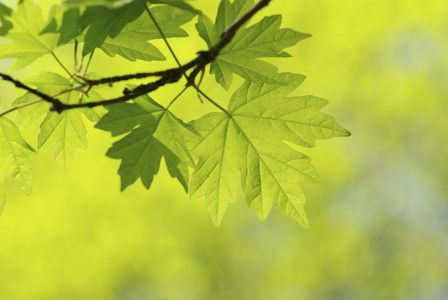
x=379 y=218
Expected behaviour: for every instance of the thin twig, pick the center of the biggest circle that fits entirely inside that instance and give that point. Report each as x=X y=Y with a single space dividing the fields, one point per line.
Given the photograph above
x=226 y=38
x=204 y=57
x=168 y=76
x=37 y=101
x=175 y=98
x=31 y=90
x=178 y=63
x=213 y=102
x=163 y=35
x=88 y=63
x=65 y=69
x=197 y=86
x=75 y=54
x=109 y=80
x=81 y=95
x=61 y=64
x=129 y=94
x=20 y=106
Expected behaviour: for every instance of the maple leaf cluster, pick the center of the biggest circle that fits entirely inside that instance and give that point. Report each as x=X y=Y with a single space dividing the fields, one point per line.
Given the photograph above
x=241 y=147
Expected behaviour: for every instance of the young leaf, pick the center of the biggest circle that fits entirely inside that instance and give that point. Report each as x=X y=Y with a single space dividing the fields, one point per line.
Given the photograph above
x=27 y=44
x=216 y=174
x=70 y=25
x=264 y=39
x=66 y=22
x=60 y=132
x=177 y=3
x=132 y=43
x=45 y=82
x=15 y=161
x=113 y=4
x=154 y=132
x=104 y=22
x=261 y=117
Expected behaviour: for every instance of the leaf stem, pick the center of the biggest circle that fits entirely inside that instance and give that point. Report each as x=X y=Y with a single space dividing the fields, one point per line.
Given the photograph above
x=175 y=98
x=43 y=96
x=168 y=76
x=163 y=35
x=180 y=66
x=213 y=102
x=76 y=54
x=62 y=65
x=20 y=106
x=88 y=63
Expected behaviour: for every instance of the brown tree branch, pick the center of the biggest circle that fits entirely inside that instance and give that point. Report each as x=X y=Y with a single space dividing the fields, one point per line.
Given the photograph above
x=167 y=76
x=226 y=38
x=20 y=85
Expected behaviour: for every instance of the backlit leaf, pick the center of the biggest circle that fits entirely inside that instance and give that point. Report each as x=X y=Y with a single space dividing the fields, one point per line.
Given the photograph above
x=264 y=39
x=132 y=43
x=216 y=175
x=27 y=44
x=61 y=133
x=114 y=4
x=176 y=3
x=105 y=22
x=154 y=132
x=248 y=145
x=70 y=25
x=15 y=161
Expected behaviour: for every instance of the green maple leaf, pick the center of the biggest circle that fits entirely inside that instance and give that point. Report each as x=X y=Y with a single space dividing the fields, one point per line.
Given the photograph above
x=264 y=39
x=27 y=44
x=216 y=175
x=132 y=43
x=5 y=24
x=119 y=3
x=15 y=161
x=177 y=3
x=103 y=22
x=109 y=21
x=116 y=28
x=248 y=147
x=61 y=133
x=107 y=3
x=64 y=22
x=154 y=132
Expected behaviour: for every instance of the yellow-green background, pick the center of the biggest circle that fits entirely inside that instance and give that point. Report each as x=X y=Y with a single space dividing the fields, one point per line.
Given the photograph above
x=379 y=218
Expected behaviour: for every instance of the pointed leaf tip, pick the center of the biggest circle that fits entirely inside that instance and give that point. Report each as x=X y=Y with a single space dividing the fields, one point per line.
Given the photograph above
x=241 y=55
x=15 y=154
x=152 y=133
x=251 y=143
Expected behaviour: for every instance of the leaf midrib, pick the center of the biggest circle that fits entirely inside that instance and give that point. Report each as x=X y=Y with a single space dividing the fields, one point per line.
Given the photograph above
x=264 y=163
x=19 y=166
x=24 y=28
x=290 y=121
